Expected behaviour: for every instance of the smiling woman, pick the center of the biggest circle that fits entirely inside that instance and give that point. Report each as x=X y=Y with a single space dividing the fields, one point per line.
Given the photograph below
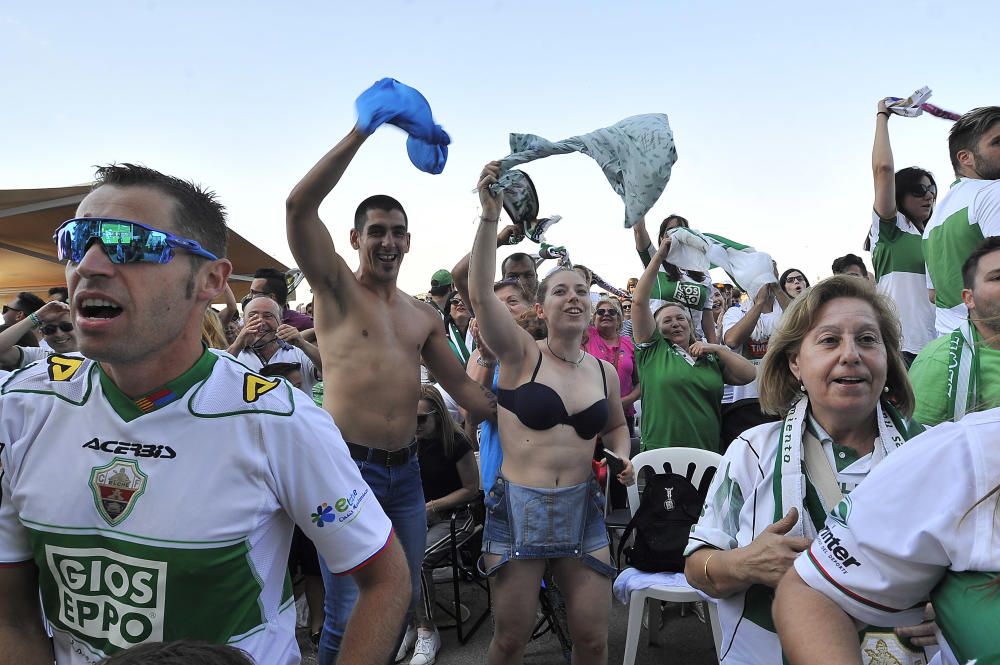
x=555 y=400
x=834 y=373
x=681 y=379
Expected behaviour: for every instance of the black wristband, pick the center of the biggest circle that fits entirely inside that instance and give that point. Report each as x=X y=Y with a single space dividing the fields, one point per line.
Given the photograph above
x=885 y=113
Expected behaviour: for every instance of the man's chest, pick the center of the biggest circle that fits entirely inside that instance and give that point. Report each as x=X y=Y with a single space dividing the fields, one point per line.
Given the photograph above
x=165 y=475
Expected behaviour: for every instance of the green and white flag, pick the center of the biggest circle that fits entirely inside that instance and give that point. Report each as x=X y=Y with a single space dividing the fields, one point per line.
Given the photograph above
x=693 y=250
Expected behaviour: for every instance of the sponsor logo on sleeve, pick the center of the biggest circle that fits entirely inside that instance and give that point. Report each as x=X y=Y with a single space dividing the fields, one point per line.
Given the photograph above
x=255 y=386
x=342 y=511
x=62 y=368
x=108 y=598
x=117 y=487
x=835 y=552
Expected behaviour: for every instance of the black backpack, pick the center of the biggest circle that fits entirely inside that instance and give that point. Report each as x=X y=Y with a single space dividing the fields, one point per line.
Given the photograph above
x=670 y=505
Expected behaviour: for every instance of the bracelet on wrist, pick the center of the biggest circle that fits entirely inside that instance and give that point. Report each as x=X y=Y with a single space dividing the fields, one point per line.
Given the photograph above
x=35 y=321
x=707 y=576
x=489 y=220
x=885 y=113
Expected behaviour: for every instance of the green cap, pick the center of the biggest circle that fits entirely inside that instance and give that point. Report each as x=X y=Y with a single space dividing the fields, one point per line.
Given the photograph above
x=441 y=278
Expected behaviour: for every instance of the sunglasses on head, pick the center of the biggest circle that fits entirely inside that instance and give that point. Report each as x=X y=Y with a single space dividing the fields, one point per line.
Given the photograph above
x=124 y=241
x=600 y=311
x=422 y=417
x=920 y=190
x=51 y=328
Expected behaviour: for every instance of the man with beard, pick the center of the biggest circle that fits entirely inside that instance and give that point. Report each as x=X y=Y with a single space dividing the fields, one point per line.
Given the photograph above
x=265 y=340
x=969 y=212
x=960 y=372
x=372 y=337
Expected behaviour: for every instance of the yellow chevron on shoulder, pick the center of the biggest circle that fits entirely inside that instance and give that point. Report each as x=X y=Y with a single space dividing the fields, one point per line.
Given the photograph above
x=62 y=368
x=254 y=386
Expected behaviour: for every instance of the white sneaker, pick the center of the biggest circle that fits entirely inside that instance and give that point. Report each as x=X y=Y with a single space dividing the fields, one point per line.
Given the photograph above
x=428 y=644
x=408 y=639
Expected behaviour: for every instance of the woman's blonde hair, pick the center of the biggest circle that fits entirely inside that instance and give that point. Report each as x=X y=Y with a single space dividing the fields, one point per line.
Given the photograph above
x=779 y=389
x=212 y=333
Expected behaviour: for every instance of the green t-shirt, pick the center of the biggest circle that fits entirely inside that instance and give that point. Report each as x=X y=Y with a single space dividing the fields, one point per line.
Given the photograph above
x=681 y=403
x=929 y=376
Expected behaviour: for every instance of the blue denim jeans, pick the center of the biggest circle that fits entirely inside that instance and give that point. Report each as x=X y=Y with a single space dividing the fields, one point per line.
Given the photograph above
x=546 y=523
x=401 y=495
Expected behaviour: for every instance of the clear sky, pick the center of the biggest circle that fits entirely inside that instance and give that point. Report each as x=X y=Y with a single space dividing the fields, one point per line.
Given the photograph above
x=772 y=105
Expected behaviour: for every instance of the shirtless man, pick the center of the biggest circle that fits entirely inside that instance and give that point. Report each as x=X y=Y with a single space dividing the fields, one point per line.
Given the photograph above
x=372 y=337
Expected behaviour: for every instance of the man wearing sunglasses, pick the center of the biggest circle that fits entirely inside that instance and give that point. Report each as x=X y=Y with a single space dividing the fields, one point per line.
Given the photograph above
x=968 y=212
x=54 y=324
x=150 y=486
x=372 y=337
x=19 y=308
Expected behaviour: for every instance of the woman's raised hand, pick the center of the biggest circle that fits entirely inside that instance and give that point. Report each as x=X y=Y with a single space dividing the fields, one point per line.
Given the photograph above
x=490 y=202
x=766 y=559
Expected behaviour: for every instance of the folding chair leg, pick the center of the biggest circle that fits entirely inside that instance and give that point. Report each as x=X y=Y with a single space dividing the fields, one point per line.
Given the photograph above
x=636 y=607
x=459 y=624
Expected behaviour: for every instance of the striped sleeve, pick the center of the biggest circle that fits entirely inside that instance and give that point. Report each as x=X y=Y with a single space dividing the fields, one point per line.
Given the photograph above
x=886 y=545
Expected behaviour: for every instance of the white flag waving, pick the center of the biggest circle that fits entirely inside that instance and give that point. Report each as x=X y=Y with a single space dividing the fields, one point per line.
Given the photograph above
x=749 y=269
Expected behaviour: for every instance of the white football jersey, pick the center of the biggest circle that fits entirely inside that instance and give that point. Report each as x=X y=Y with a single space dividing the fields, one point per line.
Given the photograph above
x=170 y=516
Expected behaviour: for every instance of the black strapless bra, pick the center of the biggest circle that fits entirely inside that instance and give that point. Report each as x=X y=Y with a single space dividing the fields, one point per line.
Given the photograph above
x=539 y=407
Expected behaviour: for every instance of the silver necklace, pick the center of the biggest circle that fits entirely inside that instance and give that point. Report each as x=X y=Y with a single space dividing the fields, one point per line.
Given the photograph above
x=576 y=363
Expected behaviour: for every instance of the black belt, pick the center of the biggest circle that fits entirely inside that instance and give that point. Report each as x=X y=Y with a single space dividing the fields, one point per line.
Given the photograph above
x=381 y=455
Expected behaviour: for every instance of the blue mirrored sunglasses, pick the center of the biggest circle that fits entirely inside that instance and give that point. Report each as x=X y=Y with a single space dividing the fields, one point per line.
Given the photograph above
x=124 y=241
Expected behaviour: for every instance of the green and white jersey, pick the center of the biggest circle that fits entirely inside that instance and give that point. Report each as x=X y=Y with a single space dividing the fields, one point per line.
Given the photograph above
x=745 y=497
x=29 y=354
x=969 y=212
x=938 y=378
x=917 y=529
x=171 y=516
x=900 y=274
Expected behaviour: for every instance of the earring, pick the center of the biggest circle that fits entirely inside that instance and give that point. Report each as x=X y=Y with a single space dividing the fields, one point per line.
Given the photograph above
x=885 y=389
x=802 y=388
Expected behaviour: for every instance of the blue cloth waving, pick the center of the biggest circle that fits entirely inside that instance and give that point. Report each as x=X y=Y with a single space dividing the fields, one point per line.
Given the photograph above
x=389 y=101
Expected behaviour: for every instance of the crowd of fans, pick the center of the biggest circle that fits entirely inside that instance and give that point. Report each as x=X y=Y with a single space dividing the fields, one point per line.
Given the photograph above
x=369 y=422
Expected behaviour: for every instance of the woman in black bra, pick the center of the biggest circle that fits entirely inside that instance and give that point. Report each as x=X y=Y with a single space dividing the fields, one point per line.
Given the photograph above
x=555 y=401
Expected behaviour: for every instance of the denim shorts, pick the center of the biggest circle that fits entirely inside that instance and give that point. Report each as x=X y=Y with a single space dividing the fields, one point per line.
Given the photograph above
x=545 y=523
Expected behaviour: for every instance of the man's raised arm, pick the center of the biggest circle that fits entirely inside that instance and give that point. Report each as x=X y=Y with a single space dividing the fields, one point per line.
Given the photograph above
x=308 y=238
x=460 y=273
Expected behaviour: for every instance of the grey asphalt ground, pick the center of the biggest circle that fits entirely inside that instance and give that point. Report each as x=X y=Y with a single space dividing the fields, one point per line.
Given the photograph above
x=681 y=641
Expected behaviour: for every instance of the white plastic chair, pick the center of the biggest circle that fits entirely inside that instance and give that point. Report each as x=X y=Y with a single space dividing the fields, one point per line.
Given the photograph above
x=679 y=460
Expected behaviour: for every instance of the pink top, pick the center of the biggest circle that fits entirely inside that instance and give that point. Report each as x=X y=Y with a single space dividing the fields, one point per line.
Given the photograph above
x=621 y=355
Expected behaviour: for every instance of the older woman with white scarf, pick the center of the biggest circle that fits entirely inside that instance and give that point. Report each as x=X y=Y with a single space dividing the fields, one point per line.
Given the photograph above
x=832 y=371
